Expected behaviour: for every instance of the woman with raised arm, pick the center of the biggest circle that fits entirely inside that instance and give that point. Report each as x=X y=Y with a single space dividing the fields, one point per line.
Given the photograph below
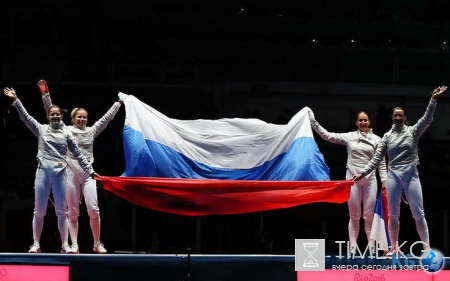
x=53 y=143
x=361 y=146
x=77 y=182
x=400 y=144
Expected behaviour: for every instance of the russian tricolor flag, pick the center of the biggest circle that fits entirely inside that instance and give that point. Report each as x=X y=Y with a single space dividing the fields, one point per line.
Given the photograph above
x=226 y=166
x=379 y=231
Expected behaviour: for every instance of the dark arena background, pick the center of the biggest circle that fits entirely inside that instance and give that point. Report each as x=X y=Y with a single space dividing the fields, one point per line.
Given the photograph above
x=209 y=60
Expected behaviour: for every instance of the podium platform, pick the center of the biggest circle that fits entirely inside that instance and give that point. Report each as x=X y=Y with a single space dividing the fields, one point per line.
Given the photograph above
x=137 y=267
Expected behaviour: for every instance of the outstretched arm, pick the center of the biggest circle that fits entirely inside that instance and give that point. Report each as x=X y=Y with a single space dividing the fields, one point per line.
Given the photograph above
x=337 y=138
x=101 y=124
x=29 y=121
x=424 y=122
x=46 y=100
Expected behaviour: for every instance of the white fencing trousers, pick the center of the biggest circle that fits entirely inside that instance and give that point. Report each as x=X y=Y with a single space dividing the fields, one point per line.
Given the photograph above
x=405 y=178
x=363 y=192
x=78 y=182
x=50 y=177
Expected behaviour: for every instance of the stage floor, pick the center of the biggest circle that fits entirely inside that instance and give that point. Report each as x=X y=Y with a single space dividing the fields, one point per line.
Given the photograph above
x=136 y=267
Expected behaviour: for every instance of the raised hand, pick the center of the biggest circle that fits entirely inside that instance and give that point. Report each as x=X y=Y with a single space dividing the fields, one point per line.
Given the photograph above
x=43 y=87
x=438 y=91
x=9 y=92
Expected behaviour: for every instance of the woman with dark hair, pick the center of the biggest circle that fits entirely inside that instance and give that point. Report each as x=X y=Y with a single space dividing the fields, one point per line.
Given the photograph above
x=400 y=145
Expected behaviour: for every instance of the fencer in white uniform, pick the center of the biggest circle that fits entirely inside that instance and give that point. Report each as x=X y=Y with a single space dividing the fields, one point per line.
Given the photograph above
x=77 y=182
x=361 y=146
x=53 y=143
x=400 y=144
